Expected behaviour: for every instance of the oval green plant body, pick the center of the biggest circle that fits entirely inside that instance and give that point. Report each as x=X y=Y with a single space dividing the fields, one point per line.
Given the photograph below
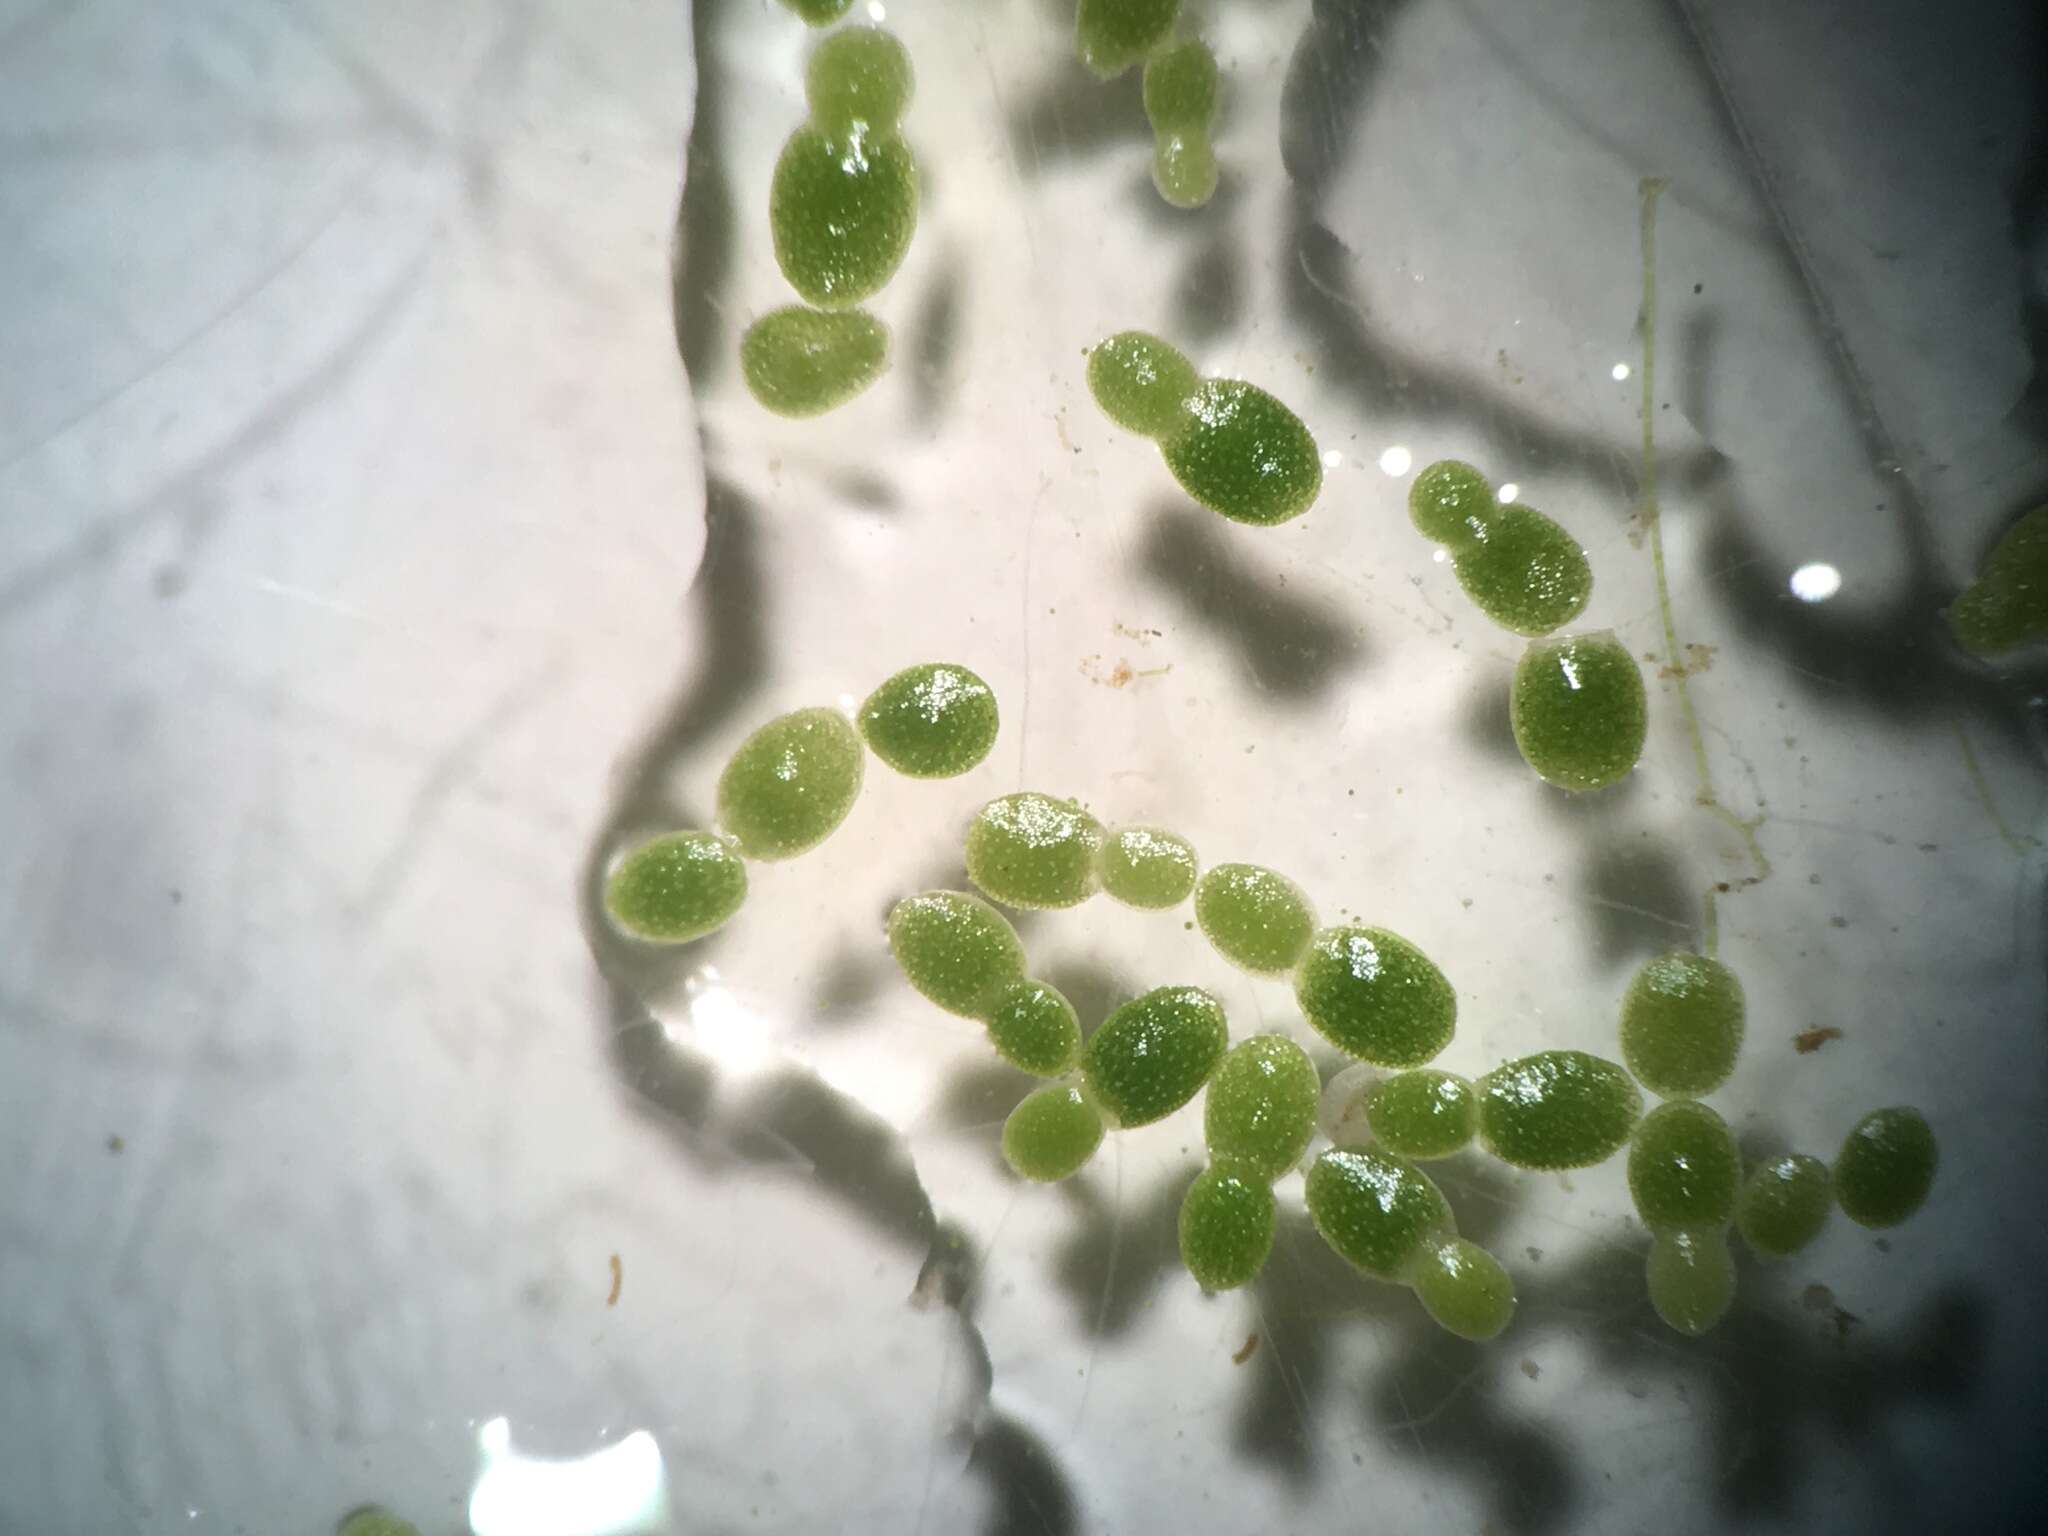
x=860 y=75
x=1257 y=918
x=1374 y=1210
x=931 y=721
x=1784 y=1205
x=790 y=784
x=956 y=950
x=842 y=208
x=1154 y=1054
x=1180 y=103
x=1244 y=454
x=1052 y=1134
x=1375 y=995
x=1524 y=571
x=1683 y=1168
x=1030 y=850
x=1578 y=710
x=1033 y=1026
x=1141 y=382
x=1451 y=502
x=1226 y=1227
x=1682 y=1024
x=1112 y=35
x=1463 y=1287
x=804 y=362
x=1260 y=1110
x=818 y=13
x=2007 y=606
x=1691 y=1278
x=1423 y=1114
x=376 y=1522
x=1147 y=868
x=1557 y=1110
x=676 y=888
x=1885 y=1167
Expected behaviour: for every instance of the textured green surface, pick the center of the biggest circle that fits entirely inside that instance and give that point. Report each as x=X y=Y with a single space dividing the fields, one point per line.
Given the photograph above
x=676 y=888
x=1691 y=1277
x=1030 y=850
x=1557 y=1109
x=1184 y=168
x=1244 y=454
x=1524 y=571
x=1180 y=85
x=1153 y=1054
x=1374 y=1210
x=804 y=362
x=1784 y=1205
x=819 y=13
x=1463 y=1287
x=1260 y=1110
x=858 y=75
x=1051 y=1134
x=1885 y=1167
x=956 y=949
x=1375 y=995
x=1112 y=35
x=1451 y=502
x=1258 y=919
x=1147 y=868
x=1423 y=1114
x=1034 y=1027
x=1141 y=382
x=842 y=209
x=1682 y=1024
x=1226 y=1227
x=1180 y=102
x=790 y=783
x=376 y=1522
x=2008 y=605
x=1578 y=710
x=931 y=721
x=1683 y=1168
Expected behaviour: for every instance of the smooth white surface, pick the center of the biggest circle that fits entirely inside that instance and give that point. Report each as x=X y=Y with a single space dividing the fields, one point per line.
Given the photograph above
x=357 y=598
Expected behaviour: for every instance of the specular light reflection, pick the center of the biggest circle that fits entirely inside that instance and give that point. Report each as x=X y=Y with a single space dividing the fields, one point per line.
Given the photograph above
x=1816 y=582
x=617 y=1490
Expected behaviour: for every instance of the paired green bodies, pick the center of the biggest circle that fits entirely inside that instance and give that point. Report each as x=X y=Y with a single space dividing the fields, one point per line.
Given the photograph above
x=1233 y=447
x=842 y=207
x=786 y=789
x=1522 y=569
x=1577 y=706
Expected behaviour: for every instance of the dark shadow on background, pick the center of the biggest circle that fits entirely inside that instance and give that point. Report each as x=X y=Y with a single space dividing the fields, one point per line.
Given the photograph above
x=703 y=257
x=934 y=341
x=1121 y=1248
x=1291 y=646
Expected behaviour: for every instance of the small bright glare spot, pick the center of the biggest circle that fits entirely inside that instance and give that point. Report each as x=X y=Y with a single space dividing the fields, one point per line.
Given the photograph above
x=723 y=1030
x=1440 y=556
x=1816 y=583
x=1620 y=371
x=1332 y=458
x=1395 y=460
x=1508 y=493
x=877 y=11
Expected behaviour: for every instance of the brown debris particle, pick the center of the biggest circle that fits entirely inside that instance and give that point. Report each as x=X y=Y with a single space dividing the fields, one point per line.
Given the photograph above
x=116 y=1145
x=1531 y=1369
x=1698 y=658
x=618 y=1279
x=1535 y=1255
x=1807 y=1041
x=1142 y=636
x=1121 y=675
x=1244 y=1353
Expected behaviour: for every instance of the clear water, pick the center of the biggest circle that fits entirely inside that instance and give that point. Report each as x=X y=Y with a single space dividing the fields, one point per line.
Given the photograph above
x=371 y=569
